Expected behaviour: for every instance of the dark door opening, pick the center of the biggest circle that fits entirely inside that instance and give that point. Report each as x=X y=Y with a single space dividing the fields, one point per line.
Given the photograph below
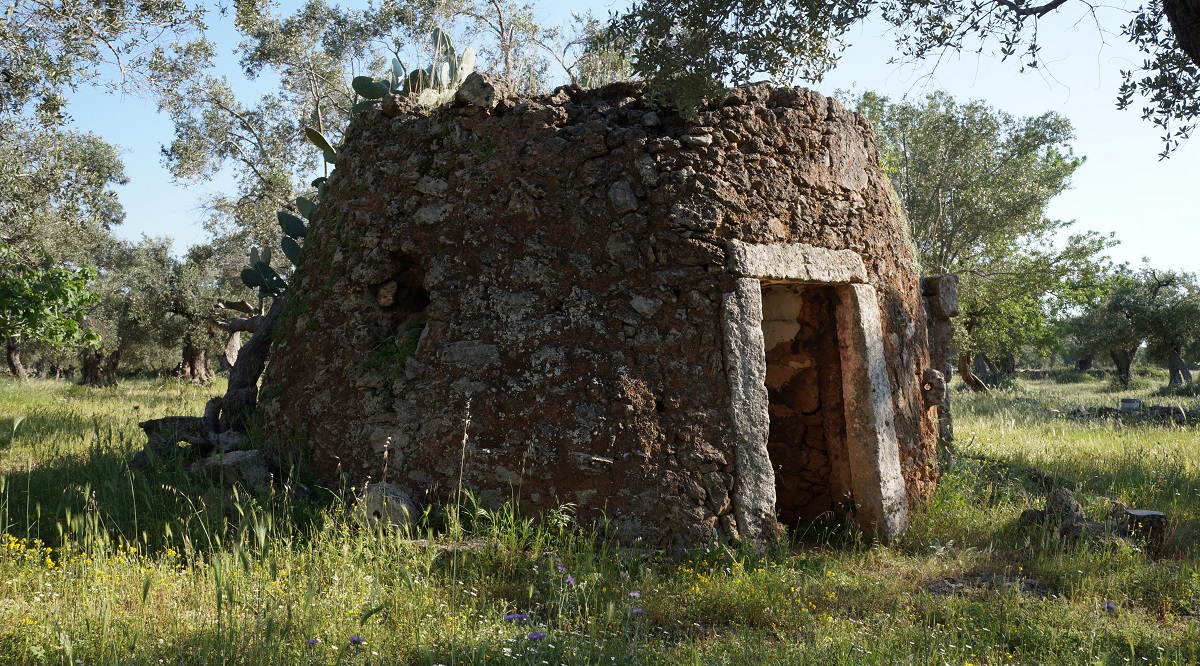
x=806 y=444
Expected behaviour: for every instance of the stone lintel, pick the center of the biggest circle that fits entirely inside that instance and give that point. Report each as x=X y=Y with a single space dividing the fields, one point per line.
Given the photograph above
x=795 y=262
x=746 y=369
x=871 y=444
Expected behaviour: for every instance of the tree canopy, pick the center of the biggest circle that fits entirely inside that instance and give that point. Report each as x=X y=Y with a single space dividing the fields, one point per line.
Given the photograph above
x=1151 y=307
x=690 y=47
x=974 y=183
x=50 y=48
x=56 y=191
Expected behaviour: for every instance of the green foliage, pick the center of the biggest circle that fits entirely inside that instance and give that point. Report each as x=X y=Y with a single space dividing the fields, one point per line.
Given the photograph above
x=293 y=227
x=57 y=193
x=319 y=141
x=434 y=84
x=311 y=54
x=286 y=570
x=974 y=183
x=1160 y=309
x=145 y=297
x=690 y=48
x=393 y=354
x=44 y=303
x=259 y=275
x=598 y=61
x=1168 y=79
x=369 y=88
x=306 y=206
x=291 y=249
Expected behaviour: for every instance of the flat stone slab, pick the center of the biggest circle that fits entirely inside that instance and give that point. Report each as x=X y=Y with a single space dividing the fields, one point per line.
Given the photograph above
x=746 y=368
x=879 y=495
x=795 y=262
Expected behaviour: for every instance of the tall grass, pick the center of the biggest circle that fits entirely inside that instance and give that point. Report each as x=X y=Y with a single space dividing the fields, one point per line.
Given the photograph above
x=101 y=565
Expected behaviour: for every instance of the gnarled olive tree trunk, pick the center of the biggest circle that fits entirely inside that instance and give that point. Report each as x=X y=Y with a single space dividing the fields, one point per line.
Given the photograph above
x=14 y=358
x=194 y=365
x=970 y=378
x=93 y=371
x=111 y=364
x=1123 y=359
x=242 y=395
x=232 y=412
x=1180 y=374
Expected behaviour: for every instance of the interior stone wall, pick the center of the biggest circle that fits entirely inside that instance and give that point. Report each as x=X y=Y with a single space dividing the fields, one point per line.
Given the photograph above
x=804 y=387
x=532 y=295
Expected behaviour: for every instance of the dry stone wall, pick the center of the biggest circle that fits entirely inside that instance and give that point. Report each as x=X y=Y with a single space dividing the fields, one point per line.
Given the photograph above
x=532 y=297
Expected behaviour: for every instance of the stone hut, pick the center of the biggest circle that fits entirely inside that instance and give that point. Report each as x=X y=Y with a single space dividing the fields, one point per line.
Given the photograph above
x=679 y=325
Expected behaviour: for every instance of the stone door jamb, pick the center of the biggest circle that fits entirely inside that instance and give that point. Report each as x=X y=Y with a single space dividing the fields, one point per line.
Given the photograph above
x=872 y=448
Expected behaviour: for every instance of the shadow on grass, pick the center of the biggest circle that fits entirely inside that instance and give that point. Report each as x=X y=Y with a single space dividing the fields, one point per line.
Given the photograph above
x=94 y=499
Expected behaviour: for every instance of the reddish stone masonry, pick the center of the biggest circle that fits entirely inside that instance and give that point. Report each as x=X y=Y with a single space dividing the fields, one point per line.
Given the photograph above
x=676 y=326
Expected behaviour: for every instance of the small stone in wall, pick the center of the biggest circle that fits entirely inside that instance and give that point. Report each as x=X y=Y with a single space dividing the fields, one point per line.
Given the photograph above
x=646 y=306
x=592 y=465
x=432 y=214
x=622 y=197
x=386 y=296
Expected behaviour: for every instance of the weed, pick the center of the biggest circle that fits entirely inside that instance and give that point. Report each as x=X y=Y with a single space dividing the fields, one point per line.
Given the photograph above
x=101 y=565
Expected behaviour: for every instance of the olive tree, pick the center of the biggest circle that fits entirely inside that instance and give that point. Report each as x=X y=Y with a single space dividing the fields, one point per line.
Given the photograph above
x=692 y=47
x=974 y=183
x=1157 y=309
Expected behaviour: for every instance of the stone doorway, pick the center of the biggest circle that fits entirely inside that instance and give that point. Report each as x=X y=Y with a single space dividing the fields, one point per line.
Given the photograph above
x=811 y=401
x=806 y=440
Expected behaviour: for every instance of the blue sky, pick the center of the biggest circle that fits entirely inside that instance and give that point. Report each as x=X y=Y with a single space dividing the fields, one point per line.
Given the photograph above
x=1122 y=188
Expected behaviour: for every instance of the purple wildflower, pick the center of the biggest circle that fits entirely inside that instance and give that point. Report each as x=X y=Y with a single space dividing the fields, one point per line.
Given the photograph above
x=516 y=617
x=636 y=595
x=313 y=642
x=638 y=611
x=357 y=640
x=1110 y=607
x=561 y=569
x=536 y=636
x=571 y=580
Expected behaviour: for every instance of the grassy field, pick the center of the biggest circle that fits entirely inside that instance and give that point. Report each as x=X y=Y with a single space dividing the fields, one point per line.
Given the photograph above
x=99 y=565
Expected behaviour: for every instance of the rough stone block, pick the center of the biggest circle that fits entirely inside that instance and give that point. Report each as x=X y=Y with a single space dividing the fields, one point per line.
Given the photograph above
x=795 y=262
x=746 y=368
x=941 y=293
x=385 y=505
x=871 y=444
x=245 y=468
x=478 y=90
